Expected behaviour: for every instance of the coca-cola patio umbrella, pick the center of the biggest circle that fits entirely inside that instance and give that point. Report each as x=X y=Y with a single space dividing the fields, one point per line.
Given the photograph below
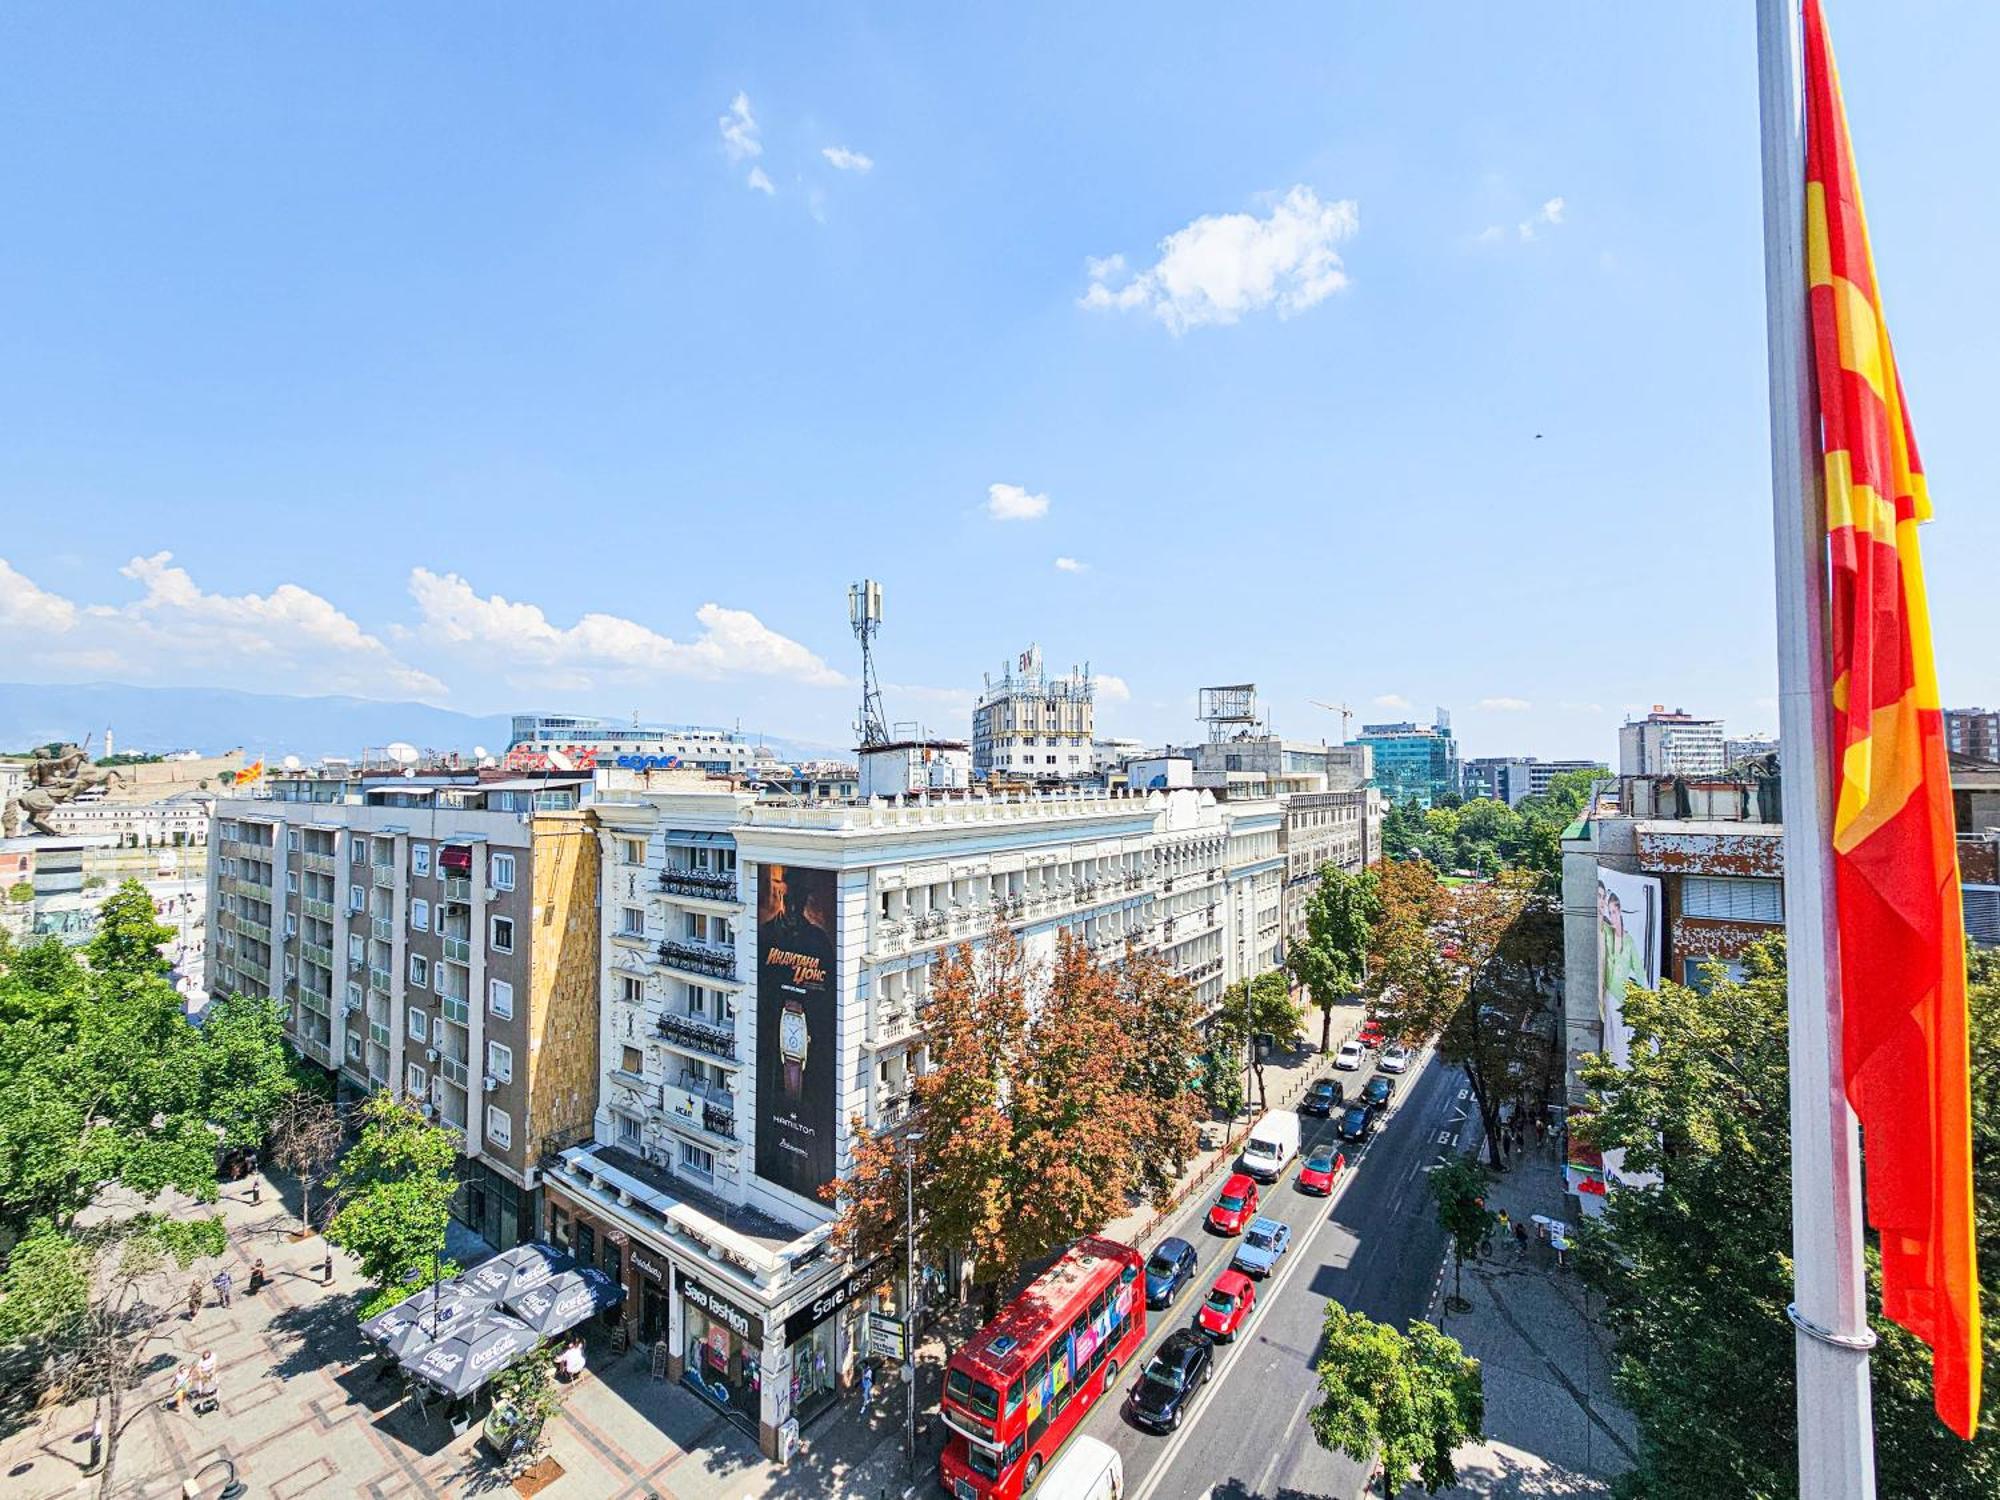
x=472 y=1354
x=562 y=1302
x=512 y=1272
x=424 y=1318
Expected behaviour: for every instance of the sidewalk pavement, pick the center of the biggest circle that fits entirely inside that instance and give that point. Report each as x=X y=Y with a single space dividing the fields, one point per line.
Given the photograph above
x=1553 y=1425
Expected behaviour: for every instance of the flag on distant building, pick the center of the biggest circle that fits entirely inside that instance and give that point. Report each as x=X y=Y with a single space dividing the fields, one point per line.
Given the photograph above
x=1902 y=940
x=252 y=772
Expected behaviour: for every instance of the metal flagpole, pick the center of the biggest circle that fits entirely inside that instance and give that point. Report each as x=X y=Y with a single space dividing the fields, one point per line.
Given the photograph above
x=1836 y=1434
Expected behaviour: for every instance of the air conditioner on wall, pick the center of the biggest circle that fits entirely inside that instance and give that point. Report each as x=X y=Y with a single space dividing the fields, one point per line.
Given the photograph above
x=430 y=1054
x=489 y=1083
x=427 y=1109
x=492 y=894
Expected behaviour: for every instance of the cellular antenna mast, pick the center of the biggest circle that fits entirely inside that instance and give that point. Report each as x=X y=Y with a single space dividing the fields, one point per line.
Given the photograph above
x=864 y=613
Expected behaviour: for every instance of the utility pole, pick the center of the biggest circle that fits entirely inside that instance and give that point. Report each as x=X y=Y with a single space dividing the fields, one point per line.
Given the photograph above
x=910 y=1299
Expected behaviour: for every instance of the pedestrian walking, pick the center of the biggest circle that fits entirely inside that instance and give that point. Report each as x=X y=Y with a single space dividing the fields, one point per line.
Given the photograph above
x=1506 y=1224
x=1541 y=1131
x=179 y=1393
x=257 y=1276
x=194 y=1298
x=223 y=1283
x=867 y=1385
x=1520 y=1240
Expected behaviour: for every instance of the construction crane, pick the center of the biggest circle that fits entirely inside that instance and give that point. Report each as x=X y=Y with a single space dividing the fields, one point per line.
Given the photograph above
x=1342 y=709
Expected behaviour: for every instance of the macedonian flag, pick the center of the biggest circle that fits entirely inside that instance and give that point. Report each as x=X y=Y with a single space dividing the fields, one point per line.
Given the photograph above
x=1902 y=938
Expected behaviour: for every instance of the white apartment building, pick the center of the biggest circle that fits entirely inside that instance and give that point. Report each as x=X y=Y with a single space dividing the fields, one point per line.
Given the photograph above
x=1030 y=726
x=763 y=969
x=178 y=822
x=1670 y=743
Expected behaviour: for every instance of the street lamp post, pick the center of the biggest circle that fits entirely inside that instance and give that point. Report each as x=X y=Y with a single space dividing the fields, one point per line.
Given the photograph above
x=910 y=1298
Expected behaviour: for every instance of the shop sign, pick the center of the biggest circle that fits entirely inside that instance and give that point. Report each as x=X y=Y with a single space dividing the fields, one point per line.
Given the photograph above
x=681 y=1104
x=885 y=1337
x=647 y=1267
x=746 y=1325
x=834 y=1298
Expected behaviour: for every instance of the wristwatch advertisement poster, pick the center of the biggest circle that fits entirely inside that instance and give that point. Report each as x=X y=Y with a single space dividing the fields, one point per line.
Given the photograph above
x=796 y=1011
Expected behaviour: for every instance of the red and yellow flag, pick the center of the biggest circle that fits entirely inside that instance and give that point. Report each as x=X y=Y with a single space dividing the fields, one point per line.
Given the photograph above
x=1902 y=938
x=252 y=772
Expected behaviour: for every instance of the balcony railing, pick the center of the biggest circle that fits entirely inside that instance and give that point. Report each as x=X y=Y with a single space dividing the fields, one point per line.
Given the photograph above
x=321 y=863
x=382 y=929
x=378 y=980
x=717 y=1113
x=701 y=1036
x=700 y=958
x=314 y=907
x=250 y=927
x=451 y=1070
x=383 y=875
x=458 y=950
x=455 y=1008
x=314 y=953
x=458 y=888
x=709 y=885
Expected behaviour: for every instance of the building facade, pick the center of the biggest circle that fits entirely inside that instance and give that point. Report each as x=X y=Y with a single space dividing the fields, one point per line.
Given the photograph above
x=1027 y=725
x=1413 y=762
x=1671 y=743
x=1973 y=732
x=553 y=741
x=1512 y=779
x=435 y=936
x=764 y=968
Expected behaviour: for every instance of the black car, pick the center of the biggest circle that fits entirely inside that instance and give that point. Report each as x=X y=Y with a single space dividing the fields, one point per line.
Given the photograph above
x=1322 y=1097
x=1170 y=1267
x=1184 y=1360
x=1358 y=1123
x=1379 y=1091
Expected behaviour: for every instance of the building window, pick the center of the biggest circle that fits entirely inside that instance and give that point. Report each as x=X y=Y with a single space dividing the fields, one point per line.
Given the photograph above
x=631 y=922
x=499 y=1128
x=291 y=838
x=355 y=899
x=420 y=915
x=500 y=998
x=353 y=1047
x=420 y=859
x=415 y=1079
x=1732 y=898
x=420 y=971
x=634 y=1060
x=500 y=1061
x=697 y=1159
x=631 y=991
x=632 y=851
x=418 y=1025
x=292 y=881
x=357 y=948
x=628 y=1132
x=357 y=851
x=503 y=934
x=503 y=872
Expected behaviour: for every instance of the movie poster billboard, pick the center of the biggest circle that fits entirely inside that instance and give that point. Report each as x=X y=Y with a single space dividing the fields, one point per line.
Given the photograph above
x=796 y=1009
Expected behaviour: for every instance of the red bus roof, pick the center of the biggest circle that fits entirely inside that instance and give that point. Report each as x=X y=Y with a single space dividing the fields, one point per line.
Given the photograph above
x=1046 y=1305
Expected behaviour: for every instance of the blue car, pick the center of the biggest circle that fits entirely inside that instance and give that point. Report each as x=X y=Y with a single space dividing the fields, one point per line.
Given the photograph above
x=1263 y=1242
x=1170 y=1267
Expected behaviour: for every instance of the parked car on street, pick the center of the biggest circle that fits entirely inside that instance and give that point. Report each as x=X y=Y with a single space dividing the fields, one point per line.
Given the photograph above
x=1358 y=1123
x=1349 y=1057
x=1321 y=1169
x=1159 y=1397
x=1225 y=1307
x=1170 y=1267
x=1371 y=1034
x=1264 y=1240
x=1273 y=1142
x=1395 y=1058
x=1378 y=1091
x=1322 y=1097
x=1234 y=1206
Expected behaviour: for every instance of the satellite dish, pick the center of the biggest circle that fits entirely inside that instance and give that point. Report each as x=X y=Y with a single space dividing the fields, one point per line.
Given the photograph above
x=293 y=763
x=402 y=754
x=480 y=752
x=560 y=762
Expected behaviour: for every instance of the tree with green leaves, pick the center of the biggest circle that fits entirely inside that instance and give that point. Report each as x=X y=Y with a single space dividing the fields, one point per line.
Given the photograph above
x=1458 y=1187
x=247 y=1074
x=527 y=1393
x=1162 y=1017
x=95 y=1305
x=1255 y=1008
x=395 y=1187
x=1413 y=1399
x=1695 y=1271
x=1222 y=1081
x=1331 y=958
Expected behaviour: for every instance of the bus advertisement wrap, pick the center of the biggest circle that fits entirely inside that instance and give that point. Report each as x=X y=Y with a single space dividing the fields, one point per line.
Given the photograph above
x=796 y=975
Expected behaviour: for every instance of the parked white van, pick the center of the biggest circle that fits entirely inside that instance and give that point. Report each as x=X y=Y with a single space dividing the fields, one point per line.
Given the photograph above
x=1087 y=1470
x=1273 y=1142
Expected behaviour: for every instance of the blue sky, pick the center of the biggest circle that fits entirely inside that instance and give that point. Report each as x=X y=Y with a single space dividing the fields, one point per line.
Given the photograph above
x=581 y=356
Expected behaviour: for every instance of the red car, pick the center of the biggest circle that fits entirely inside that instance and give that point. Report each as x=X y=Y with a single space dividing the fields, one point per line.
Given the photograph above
x=1225 y=1307
x=1319 y=1171
x=1371 y=1034
x=1234 y=1206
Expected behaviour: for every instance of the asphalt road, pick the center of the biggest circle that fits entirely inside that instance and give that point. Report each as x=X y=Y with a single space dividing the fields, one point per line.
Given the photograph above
x=1375 y=1246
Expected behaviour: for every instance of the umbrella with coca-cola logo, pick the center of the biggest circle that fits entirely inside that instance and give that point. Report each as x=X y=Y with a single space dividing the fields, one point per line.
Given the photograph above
x=473 y=1353
x=562 y=1302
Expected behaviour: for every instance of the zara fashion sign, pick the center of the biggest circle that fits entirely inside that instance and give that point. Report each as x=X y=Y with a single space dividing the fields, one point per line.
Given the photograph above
x=744 y=1325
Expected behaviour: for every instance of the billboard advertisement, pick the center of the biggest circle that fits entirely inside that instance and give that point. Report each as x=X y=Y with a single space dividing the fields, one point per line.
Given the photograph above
x=796 y=1009
x=1628 y=950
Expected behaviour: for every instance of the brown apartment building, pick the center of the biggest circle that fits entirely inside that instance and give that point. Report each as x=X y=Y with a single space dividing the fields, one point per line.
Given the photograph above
x=435 y=934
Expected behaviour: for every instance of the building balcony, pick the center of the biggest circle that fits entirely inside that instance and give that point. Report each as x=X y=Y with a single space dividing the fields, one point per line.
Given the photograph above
x=892 y=1023
x=704 y=1037
x=458 y=950
x=318 y=863
x=250 y=927
x=458 y=888
x=452 y=1070
x=314 y=953
x=699 y=958
x=317 y=908
x=382 y=929
x=455 y=1008
x=705 y=885
x=383 y=875
x=378 y=980
x=714 y=1110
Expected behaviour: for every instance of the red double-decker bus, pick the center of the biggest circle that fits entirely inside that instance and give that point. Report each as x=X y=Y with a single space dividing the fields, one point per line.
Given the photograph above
x=1015 y=1393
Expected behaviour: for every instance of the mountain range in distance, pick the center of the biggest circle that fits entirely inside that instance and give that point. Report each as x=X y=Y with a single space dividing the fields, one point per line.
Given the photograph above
x=273 y=725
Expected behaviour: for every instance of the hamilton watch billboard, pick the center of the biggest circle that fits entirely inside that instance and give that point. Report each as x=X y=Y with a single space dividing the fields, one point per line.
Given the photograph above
x=796 y=1006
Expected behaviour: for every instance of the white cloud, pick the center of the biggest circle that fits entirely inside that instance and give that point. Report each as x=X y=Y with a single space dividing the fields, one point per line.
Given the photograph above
x=1071 y=565
x=1222 y=266
x=845 y=160
x=1552 y=211
x=740 y=137
x=1547 y=216
x=1390 y=700
x=1111 y=689
x=1010 y=502
x=289 y=640
x=1505 y=705
x=761 y=183
x=1492 y=234
x=518 y=637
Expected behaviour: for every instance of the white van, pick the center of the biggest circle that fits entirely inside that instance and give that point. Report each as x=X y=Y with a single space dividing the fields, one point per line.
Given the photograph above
x=1088 y=1470
x=1273 y=1142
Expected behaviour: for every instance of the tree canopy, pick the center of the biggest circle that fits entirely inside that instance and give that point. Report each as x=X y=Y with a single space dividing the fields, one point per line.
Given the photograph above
x=1251 y=1008
x=1485 y=836
x=395 y=1187
x=1331 y=958
x=1412 y=1398
x=1696 y=1272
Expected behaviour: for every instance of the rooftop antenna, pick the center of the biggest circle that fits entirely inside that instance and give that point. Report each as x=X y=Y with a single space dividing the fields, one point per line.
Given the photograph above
x=864 y=613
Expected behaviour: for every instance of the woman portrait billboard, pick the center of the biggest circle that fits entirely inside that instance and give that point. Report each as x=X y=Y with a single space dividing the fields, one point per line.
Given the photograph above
x=1628 y=950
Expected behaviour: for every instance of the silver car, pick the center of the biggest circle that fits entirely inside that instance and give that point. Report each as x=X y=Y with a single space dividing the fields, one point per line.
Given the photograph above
x=1395 y=1058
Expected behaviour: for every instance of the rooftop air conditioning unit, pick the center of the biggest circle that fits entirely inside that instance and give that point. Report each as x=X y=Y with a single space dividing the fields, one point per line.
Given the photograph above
x=489 y=1083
